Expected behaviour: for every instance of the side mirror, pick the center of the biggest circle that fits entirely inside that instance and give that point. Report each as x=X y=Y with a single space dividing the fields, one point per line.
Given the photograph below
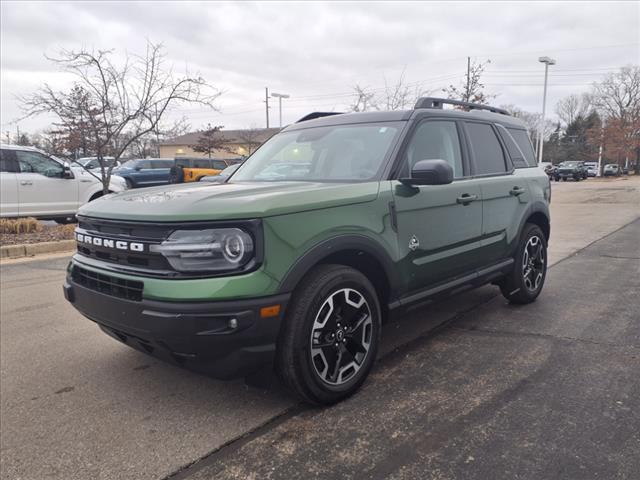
x=137 y=169
x=430 y=172
x=67 y=173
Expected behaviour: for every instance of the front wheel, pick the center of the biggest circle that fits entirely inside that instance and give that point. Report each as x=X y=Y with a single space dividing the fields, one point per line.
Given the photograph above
x=330 y=336
x=525 y=282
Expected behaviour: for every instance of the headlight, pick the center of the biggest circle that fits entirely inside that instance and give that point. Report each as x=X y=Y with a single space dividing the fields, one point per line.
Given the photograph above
x=213 y=250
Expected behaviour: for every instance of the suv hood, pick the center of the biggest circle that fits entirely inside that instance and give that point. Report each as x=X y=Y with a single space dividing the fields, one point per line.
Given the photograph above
x=227 y=201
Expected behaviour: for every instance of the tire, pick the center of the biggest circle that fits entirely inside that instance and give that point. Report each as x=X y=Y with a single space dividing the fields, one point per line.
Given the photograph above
x=130 y=184
x=321 y=375
x=517 y=287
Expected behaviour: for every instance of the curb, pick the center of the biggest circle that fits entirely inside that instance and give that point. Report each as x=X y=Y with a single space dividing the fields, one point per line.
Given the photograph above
x=32 y=249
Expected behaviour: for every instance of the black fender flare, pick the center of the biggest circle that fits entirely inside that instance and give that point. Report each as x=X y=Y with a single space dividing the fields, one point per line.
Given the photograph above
x=334 y=245
x=537 y=206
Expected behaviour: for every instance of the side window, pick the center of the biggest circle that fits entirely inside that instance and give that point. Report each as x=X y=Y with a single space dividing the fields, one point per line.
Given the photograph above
x=143 y=164
x=517 y=157
x=434 y=140
x=163 y=164
x=524 y=142
x=489 y=157
x=202 y=163
x=219 y=164
x=34 y=162
x=7 y=161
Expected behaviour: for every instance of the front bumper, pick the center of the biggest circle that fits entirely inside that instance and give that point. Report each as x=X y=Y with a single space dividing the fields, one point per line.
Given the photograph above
x=200 y=336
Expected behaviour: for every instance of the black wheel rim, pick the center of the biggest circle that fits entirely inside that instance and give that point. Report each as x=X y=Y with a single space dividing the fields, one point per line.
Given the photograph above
x=341 y=336
x=533 y=263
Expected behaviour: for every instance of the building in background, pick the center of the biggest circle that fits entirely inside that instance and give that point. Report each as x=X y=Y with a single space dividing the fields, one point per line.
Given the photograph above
x=234 y=143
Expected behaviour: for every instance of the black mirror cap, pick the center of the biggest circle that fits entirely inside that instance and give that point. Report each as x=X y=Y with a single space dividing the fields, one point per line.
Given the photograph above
x=430 y=172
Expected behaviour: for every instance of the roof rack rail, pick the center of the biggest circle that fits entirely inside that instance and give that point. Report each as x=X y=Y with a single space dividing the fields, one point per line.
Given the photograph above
x=314 y=115
x=431 y=102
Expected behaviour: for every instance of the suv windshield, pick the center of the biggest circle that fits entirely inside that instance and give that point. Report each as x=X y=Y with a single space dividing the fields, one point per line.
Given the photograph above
x=322 y=154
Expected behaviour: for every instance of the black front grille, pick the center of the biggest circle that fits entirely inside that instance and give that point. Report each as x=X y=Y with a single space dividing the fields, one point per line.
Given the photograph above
x=113 y=286
x=144 y=262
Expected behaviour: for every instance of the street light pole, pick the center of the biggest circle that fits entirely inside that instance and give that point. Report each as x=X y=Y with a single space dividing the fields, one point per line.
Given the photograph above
x=280 y=96
x=547 y=61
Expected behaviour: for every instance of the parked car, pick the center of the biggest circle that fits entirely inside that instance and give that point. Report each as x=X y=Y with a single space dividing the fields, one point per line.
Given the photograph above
x=296 y=267
x=566 y=170
x=193 y=169
x=145 y=172
x=549 y=169
x=222 y=176
x=35 y=184
x=93 y=163
x=592 y=169
x=611 y=170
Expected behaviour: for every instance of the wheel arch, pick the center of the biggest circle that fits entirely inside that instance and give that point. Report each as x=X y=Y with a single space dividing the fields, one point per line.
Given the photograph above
x=356 y=251
x=538 y=214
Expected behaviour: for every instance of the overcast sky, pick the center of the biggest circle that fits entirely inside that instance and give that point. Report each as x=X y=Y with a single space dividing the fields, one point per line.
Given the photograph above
x=317 y=52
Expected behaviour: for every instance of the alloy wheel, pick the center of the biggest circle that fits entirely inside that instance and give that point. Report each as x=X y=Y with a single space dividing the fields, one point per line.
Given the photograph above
x=533 y=263
x=341 y=336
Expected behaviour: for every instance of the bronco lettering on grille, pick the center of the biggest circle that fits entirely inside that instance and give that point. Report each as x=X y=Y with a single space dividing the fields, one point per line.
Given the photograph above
x=108 y=243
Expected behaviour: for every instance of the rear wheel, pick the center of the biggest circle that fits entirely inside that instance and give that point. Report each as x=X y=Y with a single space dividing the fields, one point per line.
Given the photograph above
x=525 y=282
x=329 y=339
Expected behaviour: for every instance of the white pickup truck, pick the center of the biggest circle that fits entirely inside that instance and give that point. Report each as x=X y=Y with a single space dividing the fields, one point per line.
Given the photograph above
x=34 y=184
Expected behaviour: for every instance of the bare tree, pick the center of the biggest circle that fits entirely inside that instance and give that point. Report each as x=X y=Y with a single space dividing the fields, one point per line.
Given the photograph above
x=124 y=102
x=471 y=89
x=148 y=145
x=364 y=100
x=210 y=140
x=250 y=139
x=570 y=108
x=618 y=95
x=617 y=99
x=398 y=95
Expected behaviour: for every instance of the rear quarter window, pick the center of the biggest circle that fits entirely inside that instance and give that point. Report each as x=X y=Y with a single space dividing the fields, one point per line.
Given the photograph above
x=515 y=152
x=521 y=137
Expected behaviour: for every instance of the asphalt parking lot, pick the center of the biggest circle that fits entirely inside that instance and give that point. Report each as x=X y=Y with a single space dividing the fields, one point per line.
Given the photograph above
x=467 y=388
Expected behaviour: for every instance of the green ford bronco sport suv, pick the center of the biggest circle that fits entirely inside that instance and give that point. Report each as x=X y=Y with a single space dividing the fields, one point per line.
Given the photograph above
x=333 y=224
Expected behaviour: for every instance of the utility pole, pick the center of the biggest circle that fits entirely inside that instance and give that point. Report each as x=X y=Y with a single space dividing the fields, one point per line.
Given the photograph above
x=467 y=90
x=266 y=101
x=547 y=61
x=280 y=96
x=157 y=132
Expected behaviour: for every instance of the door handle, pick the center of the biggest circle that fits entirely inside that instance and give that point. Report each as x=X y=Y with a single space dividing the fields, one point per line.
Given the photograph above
x=25 y=182
x=515 y=191
x=466 y=199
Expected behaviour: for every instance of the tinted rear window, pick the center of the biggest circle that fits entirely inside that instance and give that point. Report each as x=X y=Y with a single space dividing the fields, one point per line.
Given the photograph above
x=489 y=157
x=522 y=139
